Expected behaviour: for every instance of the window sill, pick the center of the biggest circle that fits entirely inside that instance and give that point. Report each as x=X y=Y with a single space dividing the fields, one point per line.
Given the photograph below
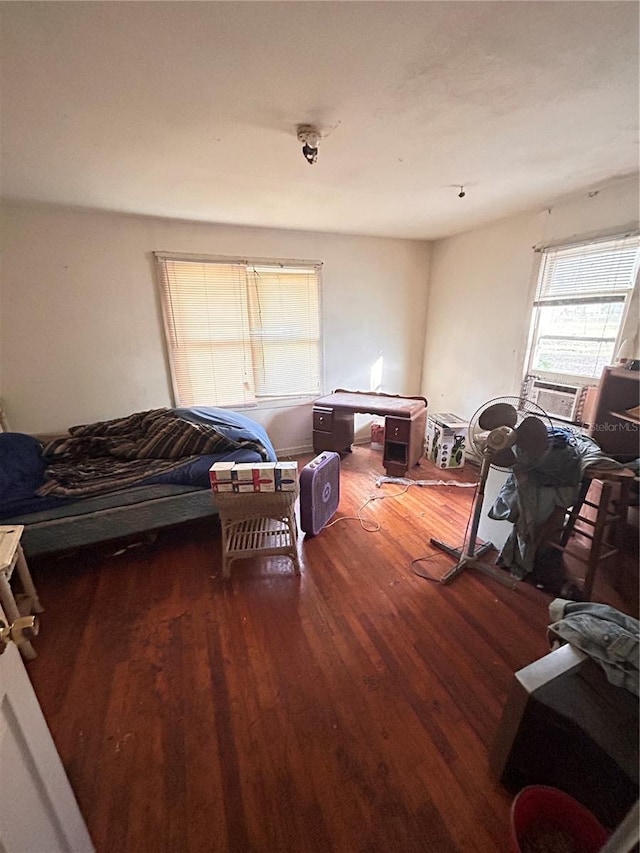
x=279 y=403
x=563 y=378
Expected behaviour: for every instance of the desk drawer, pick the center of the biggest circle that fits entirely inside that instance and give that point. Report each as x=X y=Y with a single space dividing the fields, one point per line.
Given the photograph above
x=323 y=419
x=332 y=429
x=397 y=429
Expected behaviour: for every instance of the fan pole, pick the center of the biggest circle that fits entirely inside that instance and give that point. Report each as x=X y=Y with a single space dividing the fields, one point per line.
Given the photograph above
x=469 y=556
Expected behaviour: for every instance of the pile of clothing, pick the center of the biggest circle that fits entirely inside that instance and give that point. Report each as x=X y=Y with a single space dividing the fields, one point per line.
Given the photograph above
x=532 y=493
x=604 y=633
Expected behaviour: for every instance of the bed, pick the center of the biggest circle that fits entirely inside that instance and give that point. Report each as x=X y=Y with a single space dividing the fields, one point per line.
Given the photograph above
x=115 y=479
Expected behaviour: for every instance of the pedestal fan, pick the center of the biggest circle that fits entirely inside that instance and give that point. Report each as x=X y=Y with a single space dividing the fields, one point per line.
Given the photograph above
x=508 y=434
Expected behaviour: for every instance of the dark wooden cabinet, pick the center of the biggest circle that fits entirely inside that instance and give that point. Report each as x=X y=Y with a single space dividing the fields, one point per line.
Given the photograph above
x=613 y=427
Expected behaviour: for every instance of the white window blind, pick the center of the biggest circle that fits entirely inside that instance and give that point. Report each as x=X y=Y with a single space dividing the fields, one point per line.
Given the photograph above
x=239 y=332
x=602 y=270
x=579 y=306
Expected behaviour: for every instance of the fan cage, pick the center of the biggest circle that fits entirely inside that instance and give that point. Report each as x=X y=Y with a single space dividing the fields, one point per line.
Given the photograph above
x=524 y=408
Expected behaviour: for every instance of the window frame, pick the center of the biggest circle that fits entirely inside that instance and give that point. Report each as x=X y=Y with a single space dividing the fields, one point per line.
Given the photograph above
x=263 y=402
x=574 y=379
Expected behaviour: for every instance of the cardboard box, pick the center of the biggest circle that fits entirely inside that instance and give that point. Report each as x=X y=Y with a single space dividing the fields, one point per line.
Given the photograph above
x=242 y=477
x=264 y=476
x=220 y=476
x=286 y=476
x=446 y=439
x=253 y=477
x=377 y=435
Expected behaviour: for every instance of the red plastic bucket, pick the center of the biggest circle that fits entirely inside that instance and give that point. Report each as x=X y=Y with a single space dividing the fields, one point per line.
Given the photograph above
x=546 y=819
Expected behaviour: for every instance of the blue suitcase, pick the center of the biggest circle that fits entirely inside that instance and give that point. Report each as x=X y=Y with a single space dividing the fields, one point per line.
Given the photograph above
x=319 y=491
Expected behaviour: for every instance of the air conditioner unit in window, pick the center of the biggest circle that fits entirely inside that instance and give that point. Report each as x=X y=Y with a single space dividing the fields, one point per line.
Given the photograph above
x=558 y=401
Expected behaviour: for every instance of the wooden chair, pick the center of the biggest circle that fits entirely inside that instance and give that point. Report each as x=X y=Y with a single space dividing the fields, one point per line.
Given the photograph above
x=604 y=527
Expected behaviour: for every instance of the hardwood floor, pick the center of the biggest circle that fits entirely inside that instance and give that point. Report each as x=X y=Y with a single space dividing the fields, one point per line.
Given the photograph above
x=350 y=709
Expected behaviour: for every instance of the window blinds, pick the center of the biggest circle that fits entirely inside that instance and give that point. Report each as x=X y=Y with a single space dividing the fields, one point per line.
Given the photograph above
x=284 y=322
x=238 y=332
x=600 y=271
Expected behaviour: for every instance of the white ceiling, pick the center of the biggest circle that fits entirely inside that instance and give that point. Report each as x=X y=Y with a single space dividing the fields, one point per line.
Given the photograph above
x=189 y=109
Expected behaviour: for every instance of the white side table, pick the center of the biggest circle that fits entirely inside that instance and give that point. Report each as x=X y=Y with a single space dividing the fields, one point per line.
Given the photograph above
x=11 y=557
x=258 y=524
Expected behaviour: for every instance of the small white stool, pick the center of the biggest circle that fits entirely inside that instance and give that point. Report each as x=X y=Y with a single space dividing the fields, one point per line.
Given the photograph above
x=11 y=557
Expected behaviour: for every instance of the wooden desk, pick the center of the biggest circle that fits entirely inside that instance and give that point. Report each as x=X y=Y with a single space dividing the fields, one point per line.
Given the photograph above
x=404 y=426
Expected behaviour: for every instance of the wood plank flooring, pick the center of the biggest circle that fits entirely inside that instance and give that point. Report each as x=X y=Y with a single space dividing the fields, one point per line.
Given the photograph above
x=350 y=709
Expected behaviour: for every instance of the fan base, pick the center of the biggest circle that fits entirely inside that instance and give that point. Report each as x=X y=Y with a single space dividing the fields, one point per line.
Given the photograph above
x=471 y=561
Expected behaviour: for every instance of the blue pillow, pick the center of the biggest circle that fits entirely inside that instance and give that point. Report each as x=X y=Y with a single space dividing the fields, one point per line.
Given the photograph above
x=21 y=466
x=234 y=425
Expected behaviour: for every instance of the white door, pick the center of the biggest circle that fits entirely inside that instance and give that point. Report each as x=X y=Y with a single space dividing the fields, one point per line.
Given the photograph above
x=38 y=810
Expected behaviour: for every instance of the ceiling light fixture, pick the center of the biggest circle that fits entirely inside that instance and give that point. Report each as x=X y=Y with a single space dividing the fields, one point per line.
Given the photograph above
x=462 y=193
x=310 y=137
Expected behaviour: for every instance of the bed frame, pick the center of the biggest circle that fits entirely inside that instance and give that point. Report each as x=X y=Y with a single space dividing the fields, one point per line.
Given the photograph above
x=111 y=517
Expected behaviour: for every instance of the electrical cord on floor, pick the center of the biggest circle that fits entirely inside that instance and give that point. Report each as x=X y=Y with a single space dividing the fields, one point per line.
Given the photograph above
x=374 y=525
x=403 y=481
x=429 y=558
x=407 y=481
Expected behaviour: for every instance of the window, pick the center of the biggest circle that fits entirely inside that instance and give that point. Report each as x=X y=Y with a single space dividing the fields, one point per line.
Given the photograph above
x=580 y=306
x=240 y=332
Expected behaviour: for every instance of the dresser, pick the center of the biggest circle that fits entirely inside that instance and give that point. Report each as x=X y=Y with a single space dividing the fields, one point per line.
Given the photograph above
x=615 y=424
x=405 y=420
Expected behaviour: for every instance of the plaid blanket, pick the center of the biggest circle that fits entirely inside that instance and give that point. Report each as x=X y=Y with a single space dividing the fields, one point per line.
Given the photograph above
x=109 y=455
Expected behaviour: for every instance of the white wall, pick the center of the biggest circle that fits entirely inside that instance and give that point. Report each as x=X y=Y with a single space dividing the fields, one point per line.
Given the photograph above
x=81 y=326
x=480 y=293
